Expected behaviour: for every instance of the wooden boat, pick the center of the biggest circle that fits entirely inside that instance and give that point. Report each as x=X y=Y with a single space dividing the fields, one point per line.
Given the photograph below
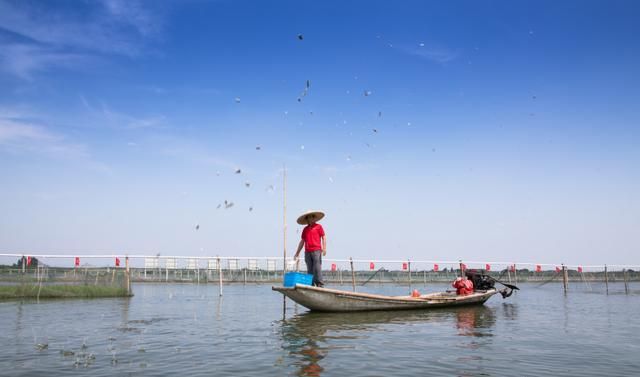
x=332 y=300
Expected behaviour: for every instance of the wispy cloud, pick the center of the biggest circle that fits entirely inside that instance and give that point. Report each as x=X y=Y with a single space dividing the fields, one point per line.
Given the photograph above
x=105 y=115
x=24 y=61
x=35 y=36
x=435 y=54
x=17 y=134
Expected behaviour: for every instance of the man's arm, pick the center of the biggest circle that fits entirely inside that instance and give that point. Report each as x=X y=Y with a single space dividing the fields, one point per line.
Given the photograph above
x=324 y=245
x=300 y=245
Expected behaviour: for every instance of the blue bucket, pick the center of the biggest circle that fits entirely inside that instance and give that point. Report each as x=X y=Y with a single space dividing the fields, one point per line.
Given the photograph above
x=293 y=278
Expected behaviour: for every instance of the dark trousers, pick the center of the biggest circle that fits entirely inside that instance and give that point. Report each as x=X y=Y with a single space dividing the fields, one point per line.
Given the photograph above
x=313 y=260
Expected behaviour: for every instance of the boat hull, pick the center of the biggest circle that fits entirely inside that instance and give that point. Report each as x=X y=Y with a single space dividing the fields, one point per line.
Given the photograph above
x=331 y=300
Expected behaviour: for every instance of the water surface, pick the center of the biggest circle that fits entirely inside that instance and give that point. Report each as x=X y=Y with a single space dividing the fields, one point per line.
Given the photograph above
x=177 y=329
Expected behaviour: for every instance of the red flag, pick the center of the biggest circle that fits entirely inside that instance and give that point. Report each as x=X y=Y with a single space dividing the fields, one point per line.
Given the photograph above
x=538 y=268
x=463 y=266
x=77 y=261
x=579 y=268
x=404 y=266
x=487 y=267
x=333 y=267
x=117 y=262
x=372 y=266
x=557 y=269
x=436 y=267
x=512 y=268
x=28 y=261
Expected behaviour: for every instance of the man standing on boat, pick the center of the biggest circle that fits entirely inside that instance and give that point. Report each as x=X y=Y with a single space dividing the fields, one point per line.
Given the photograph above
x=315 y=244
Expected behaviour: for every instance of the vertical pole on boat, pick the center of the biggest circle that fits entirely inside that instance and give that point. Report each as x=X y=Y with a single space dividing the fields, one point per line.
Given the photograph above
x=284 y=219
x=219 y=276
x=353 y=275
x=409 y=267
x=606 y=278
x=515 y=274
x=565 y=278
x=284 y=234
x=626 y=284
x=424 y=275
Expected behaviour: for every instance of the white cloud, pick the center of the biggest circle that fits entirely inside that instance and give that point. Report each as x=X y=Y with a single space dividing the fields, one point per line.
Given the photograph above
x=105 y=115
x=38 y=36
x=18 y=135
x=24 y=61
x=435 y=54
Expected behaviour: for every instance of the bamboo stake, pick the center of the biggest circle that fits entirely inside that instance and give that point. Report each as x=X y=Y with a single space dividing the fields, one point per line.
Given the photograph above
x=606 y=278
x=245 y=277
x=565 y=278
x=409 y=267
x=127 y=274
x=353 y=275
x=626 y=284
x=515 y=274
x=220 y=276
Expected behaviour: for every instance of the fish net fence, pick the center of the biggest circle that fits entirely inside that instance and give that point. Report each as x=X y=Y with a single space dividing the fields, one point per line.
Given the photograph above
x=112 y=272
x=33 y=277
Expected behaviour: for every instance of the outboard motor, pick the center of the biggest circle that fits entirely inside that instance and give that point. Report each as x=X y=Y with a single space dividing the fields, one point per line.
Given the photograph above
x=480 y=281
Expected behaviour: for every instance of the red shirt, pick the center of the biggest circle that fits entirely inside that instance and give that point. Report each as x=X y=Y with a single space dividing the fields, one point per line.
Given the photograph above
x=311 y=235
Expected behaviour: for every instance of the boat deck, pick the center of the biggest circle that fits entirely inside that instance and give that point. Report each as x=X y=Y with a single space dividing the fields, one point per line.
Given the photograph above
x=326 y=299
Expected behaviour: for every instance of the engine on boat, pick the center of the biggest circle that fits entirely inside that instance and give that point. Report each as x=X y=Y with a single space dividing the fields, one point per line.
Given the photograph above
x=480 y=281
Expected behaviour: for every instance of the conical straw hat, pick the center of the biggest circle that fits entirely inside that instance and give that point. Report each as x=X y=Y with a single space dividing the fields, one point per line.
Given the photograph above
x=302 y=219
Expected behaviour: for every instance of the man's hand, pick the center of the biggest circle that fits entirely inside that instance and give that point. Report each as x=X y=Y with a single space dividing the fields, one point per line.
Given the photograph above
x=324 y=253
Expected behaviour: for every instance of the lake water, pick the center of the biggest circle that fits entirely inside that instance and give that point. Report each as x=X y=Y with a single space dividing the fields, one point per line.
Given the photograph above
x=175 y=330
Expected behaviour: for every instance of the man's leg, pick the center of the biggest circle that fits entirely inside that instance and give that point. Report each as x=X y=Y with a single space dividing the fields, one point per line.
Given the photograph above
x=317 y=268
x=308 y=259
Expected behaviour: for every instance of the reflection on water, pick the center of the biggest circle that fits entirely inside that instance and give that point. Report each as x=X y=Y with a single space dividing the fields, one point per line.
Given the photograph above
x=510 y=311
x=189 y=330
x=315 y=339
x=475 y=321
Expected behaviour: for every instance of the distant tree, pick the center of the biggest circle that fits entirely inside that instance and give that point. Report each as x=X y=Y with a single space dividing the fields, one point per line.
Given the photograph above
x=24 y=260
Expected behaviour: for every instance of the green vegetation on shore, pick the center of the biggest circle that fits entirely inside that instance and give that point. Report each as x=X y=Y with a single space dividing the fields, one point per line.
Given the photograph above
x=35 y=291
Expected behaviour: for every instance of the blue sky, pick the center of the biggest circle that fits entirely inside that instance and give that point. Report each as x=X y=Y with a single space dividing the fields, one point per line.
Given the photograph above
x=490 y=130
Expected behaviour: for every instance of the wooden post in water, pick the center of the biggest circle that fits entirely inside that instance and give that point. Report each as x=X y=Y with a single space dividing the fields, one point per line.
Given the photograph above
x=626 y=284
x=353 y=275
x=409 y=267
x=515 y=274
x=606 y=278
x=127 y=274
x=340 y=275
x=220 y=276
x=565 y=278
x=424 y=276
x=461 y=272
